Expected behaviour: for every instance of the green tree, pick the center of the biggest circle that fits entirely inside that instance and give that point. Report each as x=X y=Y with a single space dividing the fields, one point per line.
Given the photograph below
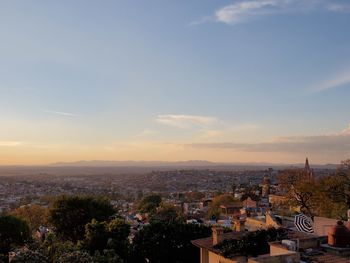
x=34 y=215
x=54 y=247
x=150 y=203
x=214 y=208
x=14 y=232
x=96 y=235
x=102 y=235
x=119 y=232
x=327 y=203
x=29 y=256
x=69 y=215
x=167 y=242
x=78 y=256
x=301 y=193
x=107 y=256
x=336 y=188
x=168 y=213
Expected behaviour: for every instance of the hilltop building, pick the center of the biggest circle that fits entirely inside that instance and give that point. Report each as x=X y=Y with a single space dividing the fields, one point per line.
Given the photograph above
x=309 y=173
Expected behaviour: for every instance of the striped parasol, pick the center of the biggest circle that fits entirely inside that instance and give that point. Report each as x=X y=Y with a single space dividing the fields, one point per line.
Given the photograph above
x=303 y=223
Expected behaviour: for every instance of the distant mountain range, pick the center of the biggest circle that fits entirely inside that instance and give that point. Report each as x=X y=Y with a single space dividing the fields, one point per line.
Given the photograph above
x=186 y=164
x=97 y=163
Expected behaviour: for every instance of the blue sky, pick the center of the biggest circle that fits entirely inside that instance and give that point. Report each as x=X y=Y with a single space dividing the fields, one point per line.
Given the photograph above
x=244 y=80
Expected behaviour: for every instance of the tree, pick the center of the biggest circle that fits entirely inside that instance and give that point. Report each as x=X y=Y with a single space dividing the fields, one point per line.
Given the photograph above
x=34 y=215
x=223 y=199
x=102 y=235
x=96 y=235
x=250 y=192
x=54 y=247
x=337 y=188
x=107 y=256
x=150 y=203
x=167 y=242
x=14 y=232
x=29 y=256
x=75 y=257
x=69 y=215
x=119 y=232
x=328 y=203
x=168 y=213
x=301 y=192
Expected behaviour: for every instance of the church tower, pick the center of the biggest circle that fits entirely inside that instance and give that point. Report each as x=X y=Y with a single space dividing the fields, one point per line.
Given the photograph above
x=309 y=173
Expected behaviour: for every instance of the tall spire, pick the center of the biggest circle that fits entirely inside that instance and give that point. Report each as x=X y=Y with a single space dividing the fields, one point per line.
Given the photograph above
x=307 y=166
x=308 y=171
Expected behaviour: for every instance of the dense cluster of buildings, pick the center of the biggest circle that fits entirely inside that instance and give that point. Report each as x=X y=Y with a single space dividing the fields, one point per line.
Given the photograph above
x=321 y=240
x=330 y=243
x=256 y=194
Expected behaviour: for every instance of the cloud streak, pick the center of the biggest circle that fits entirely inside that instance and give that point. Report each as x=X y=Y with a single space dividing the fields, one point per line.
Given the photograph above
x=186 y=121
x=247 y=10
x=331 y=143
x=62 y=113
x=10 y=143
x=335 y=81
x=340 y=8
x=242 y=11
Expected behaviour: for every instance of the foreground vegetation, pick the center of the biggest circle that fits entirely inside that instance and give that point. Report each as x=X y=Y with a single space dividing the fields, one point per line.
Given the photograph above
x=87 y=230
x=327 y=196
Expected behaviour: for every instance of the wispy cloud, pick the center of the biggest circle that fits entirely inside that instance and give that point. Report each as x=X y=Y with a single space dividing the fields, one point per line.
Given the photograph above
x=328 y=143
x=202 y=20
x=186 y=121
x=10 y=143
x=339 y=7
x=146 y=133
x=62 y=113
x=225 y=130
x=337 y=80
x=242 y=11
x=203 y=128
x=246 y=10
x=346 y=130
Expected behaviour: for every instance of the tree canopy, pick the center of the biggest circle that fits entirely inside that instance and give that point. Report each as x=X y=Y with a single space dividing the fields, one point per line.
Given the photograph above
x=251 y=244
x=223 y=199
x=107 y=235
x=167 y=242
x=301 y=193
x=168 y=213
x=34 y=215
x=70 y=214
x=13 y=232
x=150 y=203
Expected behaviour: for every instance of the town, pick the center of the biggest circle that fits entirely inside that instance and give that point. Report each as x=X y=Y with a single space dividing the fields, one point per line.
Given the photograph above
x=235 y=205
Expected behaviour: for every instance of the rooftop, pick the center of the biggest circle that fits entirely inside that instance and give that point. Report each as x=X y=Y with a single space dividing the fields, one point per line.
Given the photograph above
x=208 y=242
x=326 y=258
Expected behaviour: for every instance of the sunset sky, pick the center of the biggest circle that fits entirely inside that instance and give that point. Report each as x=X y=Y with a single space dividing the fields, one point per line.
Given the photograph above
x=225 y=81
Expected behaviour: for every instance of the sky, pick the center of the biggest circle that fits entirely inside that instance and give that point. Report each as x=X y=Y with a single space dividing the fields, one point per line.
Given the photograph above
x=223 y=81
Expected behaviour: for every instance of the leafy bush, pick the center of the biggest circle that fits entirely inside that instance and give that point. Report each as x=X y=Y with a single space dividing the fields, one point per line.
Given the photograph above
x=252 y=243
x=13 y=232
x=167 y=242
x=75 y=257
x=29 y=256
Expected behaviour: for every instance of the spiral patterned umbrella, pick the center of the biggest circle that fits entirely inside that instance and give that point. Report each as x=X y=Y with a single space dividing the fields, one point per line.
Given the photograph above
x=303 y=223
